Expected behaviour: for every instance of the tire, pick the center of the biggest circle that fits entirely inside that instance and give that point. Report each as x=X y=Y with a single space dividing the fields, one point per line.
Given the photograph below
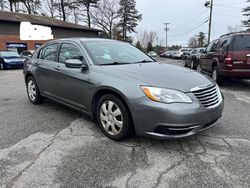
x=192 y=66
x=116 y=127
x=1 y=66
x=185 y=63
x=216 y=77
x=198 y=68
x=33 y=91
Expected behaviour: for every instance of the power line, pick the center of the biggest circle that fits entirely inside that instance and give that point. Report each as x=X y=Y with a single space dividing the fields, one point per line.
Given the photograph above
x=191 y=20
x=187 y=32
x=226 y=15
x=227 y=6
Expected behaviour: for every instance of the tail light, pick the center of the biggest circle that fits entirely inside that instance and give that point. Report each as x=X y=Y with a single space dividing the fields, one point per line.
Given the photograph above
x=229 y=60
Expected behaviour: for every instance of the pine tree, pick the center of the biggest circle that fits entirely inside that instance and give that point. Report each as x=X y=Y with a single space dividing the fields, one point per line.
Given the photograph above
x=246 y=12
x=201 y=39
x=129 y=17
x=150 y=47
x=138 y=45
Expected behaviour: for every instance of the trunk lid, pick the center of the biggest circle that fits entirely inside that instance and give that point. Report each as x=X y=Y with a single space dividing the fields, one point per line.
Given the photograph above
x=241 y=52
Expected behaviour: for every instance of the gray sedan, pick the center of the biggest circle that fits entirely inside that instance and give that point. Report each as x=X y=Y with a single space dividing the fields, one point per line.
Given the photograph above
x=122 y=88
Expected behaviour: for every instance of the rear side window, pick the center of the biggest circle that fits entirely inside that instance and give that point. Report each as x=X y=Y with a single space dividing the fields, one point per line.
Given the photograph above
x=49 y=52
x=242 y=43
x=225 y=43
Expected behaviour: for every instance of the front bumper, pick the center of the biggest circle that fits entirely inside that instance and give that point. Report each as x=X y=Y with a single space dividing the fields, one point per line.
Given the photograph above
x=169 y=121
x=13 y=65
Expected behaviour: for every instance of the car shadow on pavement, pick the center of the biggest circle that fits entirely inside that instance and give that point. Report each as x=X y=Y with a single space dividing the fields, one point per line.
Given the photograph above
x=236 y=84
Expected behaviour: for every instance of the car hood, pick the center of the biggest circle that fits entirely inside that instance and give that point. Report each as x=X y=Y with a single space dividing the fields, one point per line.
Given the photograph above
x=163 y=75
x=13 y=59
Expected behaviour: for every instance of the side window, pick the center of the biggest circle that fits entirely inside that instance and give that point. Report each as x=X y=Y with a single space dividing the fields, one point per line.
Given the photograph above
x=212 y=46
x=69 y=51
x=224 y=44
x=49 y=52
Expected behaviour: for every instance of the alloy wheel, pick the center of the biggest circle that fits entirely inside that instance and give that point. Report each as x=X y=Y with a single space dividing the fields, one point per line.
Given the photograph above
x=1 y=66
x=111 y=118
x=31 y=90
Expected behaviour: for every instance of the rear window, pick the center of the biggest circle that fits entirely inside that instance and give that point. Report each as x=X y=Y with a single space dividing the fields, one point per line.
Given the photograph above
x=242 y=43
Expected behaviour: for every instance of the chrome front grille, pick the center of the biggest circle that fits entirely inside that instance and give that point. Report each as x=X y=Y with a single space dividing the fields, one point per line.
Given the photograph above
x=209 y=96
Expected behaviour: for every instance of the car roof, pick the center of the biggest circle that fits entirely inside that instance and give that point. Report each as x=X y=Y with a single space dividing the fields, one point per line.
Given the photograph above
x=236 y=34
x=7 y=51
x=84 y=39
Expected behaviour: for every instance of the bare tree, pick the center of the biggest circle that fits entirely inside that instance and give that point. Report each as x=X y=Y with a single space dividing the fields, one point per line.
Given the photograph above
x=105 y=16
x=192 y=43
x=50 y=7
x=32 y=6
x=235 y=28
x=146 y=37
x=3 y=4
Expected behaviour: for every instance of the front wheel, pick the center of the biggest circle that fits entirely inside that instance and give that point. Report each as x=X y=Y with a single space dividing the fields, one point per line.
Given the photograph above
x=198 y=68
x=1 y=66
x=113 y=118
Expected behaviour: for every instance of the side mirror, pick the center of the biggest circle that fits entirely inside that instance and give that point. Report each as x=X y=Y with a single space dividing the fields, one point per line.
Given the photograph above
x=74 y=63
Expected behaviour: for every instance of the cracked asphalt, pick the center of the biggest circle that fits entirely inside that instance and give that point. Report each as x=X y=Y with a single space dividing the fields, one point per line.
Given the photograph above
x=49 y=145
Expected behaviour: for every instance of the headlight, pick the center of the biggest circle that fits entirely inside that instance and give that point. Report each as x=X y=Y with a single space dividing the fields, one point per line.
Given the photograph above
x=166 y=95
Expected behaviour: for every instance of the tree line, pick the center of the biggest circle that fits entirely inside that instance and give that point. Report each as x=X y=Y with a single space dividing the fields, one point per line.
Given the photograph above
x=116 y=18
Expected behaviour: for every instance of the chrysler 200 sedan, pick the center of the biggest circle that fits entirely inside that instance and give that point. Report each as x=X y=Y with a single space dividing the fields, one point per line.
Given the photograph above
x=122 y=88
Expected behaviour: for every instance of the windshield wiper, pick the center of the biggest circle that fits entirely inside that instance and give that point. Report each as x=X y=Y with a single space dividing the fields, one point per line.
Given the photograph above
x=144 y=61
x=116 y=63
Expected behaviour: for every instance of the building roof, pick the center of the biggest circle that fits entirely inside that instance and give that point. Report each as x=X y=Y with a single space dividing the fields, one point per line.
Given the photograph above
x=40 y=20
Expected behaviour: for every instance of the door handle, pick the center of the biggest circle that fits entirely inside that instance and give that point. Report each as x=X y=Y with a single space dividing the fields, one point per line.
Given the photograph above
x=248 y=55
x=57 y=68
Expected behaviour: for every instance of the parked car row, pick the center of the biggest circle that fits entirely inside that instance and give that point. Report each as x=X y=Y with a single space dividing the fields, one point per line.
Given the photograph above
x=193 y=58
x=226 y=57
x=177 y=54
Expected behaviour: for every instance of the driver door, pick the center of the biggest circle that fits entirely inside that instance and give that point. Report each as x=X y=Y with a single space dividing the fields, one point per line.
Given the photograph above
x=73 y=85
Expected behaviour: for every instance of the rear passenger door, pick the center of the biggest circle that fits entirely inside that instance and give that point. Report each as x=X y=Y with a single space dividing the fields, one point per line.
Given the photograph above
x=45 y=63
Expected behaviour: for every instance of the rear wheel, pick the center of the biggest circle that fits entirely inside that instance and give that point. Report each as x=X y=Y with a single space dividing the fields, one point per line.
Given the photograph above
x=215 y=75
x=113 y=117
x=33 y=91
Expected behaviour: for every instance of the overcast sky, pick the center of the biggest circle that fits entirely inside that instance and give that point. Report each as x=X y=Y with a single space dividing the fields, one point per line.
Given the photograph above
x=184 y=15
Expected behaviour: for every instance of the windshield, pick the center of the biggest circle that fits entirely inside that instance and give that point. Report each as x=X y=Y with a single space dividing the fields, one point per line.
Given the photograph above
x=242 y=43
x=9 y=54
x=114 y=52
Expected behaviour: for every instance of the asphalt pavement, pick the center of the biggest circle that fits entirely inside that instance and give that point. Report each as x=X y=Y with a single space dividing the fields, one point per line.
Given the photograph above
x=49 y=145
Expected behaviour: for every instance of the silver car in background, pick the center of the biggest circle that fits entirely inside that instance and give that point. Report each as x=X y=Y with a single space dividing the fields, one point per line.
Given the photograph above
x=122 y=88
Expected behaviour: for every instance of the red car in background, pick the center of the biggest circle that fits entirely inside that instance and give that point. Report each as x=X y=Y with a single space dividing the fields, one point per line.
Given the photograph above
x=228 y=56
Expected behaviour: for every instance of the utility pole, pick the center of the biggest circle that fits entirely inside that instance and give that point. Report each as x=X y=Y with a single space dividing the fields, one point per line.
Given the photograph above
x=166 y=29
x=210 y=4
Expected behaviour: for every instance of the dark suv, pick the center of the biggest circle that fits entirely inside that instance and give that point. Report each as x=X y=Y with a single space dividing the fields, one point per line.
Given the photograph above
x=228 y=56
